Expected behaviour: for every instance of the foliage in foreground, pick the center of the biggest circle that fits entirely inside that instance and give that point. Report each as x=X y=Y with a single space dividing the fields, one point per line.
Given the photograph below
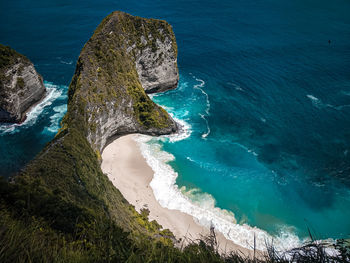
x=62 y=208
x=27 y=236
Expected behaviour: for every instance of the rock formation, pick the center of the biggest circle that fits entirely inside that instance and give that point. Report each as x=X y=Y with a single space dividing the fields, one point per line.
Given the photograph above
x=156 y=61
x=125 y=57
x=20 y=85
x=63 y=190
x=105 y=100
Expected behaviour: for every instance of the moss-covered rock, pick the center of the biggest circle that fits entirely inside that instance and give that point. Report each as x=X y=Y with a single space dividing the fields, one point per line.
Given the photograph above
x=106 y=96
x=64 y=183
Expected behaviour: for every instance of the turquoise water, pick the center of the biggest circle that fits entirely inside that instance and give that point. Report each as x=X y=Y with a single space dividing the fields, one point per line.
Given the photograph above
x=265 y=96
x=20 y=143
x=281 y=198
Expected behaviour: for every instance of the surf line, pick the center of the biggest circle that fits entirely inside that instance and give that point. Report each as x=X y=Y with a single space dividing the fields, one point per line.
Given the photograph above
x=207 y=110
x=53 y=92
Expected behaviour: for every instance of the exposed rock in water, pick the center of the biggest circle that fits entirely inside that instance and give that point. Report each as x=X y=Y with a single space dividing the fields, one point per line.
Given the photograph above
x=126 y=56
x=20 y=85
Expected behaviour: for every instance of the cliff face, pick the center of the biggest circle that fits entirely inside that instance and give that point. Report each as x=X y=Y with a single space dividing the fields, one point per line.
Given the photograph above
x=156 y=61
x=105 y=100
x=63 y=191
x=20 y=85
x=125 y=57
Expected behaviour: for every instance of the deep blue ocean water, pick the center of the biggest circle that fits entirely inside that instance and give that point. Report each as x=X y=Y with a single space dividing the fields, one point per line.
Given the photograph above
x=266 y=97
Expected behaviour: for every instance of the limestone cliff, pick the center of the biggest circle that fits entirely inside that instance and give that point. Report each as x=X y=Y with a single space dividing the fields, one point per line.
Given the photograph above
x=105 y=100
x=20 y=85
x=156 y=60
x=126 y=56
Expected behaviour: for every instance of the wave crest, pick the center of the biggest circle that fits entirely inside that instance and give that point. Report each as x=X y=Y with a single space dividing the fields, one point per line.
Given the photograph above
x=53 y=92
x=202 y=206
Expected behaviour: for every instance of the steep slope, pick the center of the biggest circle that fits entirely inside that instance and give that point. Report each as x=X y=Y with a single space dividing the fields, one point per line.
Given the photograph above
x=106 y=100
x=106 y=96
x=61 y=207
x=20 y=85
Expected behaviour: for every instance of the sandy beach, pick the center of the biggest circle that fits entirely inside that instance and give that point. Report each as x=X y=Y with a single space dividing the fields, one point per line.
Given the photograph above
x=125 y=166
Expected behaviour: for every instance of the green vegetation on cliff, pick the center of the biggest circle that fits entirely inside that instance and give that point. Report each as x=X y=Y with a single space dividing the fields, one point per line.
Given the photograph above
x=9 y=56
x=61 y=207
x=62 y=198
x=20 y=85
x=106 y=78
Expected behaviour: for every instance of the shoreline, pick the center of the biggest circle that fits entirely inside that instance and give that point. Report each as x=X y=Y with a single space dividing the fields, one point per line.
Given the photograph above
x=129 y=172
x=52 y=93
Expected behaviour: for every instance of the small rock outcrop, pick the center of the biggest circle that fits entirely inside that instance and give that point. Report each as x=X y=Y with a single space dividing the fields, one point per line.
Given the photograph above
x=20 y=86
x=126 y=57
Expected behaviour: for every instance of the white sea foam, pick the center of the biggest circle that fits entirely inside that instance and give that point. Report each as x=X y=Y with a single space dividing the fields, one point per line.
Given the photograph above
x=320 y=105
x=190 y=159
x=52 y=94
x=8 y=128
x=185 y=128
x=247 y=149
x=56 y=118
x=67 y=63
x=204 y=135
x=202 y=206
x=237 y=87
x=315 y=101
x=200 y=87
x=182 y=86
x=183 y=133
x=207 y=109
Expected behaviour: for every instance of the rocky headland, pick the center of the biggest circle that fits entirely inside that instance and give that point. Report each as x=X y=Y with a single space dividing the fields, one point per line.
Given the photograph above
x=61 y=205
x=126 y=57
x=106 y=99
x=21 y=86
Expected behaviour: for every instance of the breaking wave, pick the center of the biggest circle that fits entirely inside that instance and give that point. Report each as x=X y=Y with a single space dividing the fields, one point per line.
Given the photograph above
x=53 y=92
x=202 y=206
x=56 y=118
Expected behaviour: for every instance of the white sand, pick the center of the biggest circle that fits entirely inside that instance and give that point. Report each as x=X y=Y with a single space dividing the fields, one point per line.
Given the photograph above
x=125 y=166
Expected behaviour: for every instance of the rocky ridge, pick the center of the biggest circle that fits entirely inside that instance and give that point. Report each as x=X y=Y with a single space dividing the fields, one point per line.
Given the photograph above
x=125 y=57
x=106 y=99
x=20 y=86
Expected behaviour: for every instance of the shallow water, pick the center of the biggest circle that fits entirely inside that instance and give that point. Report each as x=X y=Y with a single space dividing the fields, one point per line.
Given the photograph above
x=264 y=95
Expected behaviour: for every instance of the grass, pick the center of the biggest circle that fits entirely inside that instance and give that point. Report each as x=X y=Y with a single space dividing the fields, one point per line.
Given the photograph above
x=62 y=208
x=9 y=56
x=28 y=238
x=106 y=75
